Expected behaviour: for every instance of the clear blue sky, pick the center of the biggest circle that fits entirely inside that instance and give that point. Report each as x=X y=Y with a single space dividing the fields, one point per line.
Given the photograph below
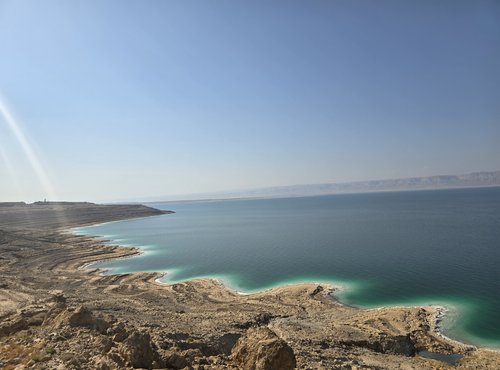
x=125 y=99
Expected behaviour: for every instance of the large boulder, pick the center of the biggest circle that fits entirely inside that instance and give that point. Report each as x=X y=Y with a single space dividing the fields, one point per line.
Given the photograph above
x=174 y=360
x=138 y=351
x=262 y=349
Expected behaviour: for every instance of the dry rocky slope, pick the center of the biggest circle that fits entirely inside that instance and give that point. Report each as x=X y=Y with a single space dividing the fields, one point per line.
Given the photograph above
x=55 y=314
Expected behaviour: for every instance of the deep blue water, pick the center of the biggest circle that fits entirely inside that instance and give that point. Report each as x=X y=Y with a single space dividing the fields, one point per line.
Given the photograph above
x=419 y=247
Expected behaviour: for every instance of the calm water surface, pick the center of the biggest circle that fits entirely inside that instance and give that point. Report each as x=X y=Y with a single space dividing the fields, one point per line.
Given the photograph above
x=421 y=247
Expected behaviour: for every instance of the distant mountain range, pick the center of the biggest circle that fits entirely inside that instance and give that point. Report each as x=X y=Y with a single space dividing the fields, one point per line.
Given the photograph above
x=475 y=179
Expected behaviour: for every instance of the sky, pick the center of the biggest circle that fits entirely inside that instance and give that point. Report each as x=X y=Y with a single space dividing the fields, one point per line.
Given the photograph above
x=110 y=100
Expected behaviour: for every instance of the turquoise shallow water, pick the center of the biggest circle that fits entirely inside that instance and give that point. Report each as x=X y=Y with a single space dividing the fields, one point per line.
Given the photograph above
x=402 y=248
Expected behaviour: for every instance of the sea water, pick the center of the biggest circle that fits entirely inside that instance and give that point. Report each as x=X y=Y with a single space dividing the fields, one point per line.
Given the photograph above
x=400 y=248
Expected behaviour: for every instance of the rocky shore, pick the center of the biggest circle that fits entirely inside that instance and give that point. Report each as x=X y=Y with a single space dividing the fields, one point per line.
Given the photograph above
x=54 y=314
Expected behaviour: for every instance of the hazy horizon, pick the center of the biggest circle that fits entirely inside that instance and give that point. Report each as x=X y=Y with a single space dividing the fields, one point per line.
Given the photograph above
x=287 y=190
x=293 y=190
x=112 y=100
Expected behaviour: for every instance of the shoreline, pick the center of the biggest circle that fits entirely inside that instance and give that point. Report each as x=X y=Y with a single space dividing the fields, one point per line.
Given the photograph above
x=336 y=288
x=99 y=223
x=439 y=310
x=47 y=279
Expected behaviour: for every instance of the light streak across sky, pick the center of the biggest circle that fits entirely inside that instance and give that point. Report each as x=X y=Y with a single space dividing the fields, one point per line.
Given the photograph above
x=8 y=119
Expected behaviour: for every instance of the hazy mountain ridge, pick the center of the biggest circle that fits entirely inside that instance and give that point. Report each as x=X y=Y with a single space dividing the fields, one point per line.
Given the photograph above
x=475 y=179
x=430 y=182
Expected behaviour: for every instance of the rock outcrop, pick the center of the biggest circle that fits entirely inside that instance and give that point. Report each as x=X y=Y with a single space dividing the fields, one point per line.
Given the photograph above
x=138 y=351
x=262 y=349
x=81 y=317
